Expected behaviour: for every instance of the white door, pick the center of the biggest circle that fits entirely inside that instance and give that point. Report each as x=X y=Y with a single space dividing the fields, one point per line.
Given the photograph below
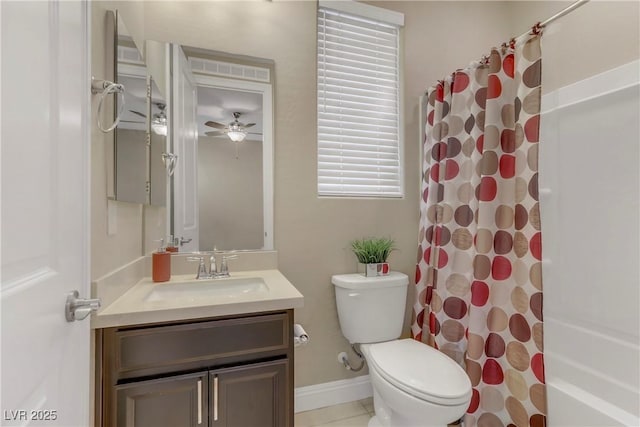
x=185 y=145
x=45 y=368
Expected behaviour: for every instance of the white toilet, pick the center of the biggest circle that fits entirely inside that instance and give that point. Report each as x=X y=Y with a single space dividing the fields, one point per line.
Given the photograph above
x=414 y=385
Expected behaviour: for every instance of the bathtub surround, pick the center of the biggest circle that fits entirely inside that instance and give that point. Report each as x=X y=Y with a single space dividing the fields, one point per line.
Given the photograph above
x=478 y=279
x=592 y=342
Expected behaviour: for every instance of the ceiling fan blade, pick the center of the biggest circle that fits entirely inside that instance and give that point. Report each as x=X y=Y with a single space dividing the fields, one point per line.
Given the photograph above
x=214 y=133
x=215 y=125
x=242 y=125
x=138 y=113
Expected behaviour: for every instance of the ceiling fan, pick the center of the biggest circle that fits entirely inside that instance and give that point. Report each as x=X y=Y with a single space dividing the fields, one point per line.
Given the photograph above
x=236 y=130
x=158 y=120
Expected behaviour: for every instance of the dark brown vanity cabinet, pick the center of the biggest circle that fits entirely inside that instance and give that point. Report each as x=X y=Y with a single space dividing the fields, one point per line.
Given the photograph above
x=222 y=372
x=172 y=401
x=248 y=395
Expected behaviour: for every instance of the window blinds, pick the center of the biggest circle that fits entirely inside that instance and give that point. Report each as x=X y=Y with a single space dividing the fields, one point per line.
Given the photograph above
x=358 y=107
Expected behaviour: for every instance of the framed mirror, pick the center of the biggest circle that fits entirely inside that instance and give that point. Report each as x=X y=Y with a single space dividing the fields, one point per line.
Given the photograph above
x=229 y=171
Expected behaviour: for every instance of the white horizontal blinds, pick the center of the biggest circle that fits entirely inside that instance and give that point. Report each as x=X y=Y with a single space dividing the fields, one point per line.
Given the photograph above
x=358 y=106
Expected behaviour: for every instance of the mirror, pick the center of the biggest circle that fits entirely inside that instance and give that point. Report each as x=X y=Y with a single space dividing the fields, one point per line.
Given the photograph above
x=230 y=173
x=141 y=134
x=232 y=154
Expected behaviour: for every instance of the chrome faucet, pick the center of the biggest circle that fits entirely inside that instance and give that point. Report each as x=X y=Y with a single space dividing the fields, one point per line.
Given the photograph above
x=212 y=272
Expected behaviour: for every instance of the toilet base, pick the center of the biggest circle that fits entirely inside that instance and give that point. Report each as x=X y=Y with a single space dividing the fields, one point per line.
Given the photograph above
x=394 y=408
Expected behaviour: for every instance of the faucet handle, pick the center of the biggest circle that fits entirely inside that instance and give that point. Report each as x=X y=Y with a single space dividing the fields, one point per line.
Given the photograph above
x=224 y=267
x=202 y=269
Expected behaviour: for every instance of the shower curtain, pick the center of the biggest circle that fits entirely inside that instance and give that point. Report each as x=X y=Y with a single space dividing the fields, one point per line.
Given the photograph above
x=478 y=276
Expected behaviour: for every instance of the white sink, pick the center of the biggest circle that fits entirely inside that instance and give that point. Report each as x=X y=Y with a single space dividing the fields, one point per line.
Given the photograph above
x=219 y=288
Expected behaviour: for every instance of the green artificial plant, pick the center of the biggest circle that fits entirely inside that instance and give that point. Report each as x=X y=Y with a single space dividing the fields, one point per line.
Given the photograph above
x=372 y=250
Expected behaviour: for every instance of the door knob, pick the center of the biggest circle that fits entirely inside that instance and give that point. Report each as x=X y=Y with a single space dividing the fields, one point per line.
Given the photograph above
x=183 y=240
x=79 y=308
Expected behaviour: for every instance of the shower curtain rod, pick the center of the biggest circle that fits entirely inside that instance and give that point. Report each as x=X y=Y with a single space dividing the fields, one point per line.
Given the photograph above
x=563 y=12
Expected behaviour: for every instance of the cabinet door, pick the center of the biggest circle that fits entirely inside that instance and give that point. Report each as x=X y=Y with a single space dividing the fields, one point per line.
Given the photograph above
x=250 y=396
x=174 y=401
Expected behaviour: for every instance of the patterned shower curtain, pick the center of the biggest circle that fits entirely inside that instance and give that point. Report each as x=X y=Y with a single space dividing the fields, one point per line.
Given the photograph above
x=478 y=277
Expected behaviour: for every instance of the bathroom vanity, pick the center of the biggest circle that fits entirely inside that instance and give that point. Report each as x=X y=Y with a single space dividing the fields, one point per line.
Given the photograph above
x=224 y=371
x=197 y=353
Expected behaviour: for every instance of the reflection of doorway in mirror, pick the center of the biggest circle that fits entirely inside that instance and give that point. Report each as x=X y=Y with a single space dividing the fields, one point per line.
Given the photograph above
x=230 y=193
x=230 y=190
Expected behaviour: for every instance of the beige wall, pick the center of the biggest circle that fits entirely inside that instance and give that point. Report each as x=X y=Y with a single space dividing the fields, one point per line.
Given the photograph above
x=312 y=234
x=596 y=37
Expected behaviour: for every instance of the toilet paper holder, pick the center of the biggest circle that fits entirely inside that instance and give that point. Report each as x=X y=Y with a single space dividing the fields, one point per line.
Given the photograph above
x=300 y=336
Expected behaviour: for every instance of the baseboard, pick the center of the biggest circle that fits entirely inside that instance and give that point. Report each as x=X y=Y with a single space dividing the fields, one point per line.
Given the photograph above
x=332 y=393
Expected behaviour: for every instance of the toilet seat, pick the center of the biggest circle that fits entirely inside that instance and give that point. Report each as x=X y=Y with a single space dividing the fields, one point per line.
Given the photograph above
x=420 y=370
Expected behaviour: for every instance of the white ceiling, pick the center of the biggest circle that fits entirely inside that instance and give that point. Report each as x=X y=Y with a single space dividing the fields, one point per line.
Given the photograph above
x=218 y=105
x=214 y=104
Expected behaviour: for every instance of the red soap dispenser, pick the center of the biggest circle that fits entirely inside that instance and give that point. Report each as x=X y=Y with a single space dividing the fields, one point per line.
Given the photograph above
x=161 y=264
x=172 y=244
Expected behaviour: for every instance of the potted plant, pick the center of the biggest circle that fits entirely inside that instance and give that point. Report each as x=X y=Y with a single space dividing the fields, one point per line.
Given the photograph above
x=373 y=253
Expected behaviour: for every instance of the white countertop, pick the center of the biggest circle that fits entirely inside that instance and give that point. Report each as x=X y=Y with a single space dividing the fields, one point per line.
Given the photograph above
x=135 y=307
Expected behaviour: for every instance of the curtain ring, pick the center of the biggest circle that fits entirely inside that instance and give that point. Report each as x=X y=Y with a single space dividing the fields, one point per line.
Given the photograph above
x=536 y=29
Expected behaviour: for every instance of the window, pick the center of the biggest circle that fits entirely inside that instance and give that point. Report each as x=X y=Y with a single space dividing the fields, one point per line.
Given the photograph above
x=358 y=101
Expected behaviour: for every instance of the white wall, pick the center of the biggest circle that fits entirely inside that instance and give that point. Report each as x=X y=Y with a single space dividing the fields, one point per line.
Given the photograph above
x=589 y=183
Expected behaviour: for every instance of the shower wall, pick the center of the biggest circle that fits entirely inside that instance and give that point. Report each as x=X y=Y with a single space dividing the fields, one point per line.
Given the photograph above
x=589 y=186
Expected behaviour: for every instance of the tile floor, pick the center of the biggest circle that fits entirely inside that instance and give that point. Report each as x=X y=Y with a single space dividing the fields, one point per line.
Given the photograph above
x=352 y=414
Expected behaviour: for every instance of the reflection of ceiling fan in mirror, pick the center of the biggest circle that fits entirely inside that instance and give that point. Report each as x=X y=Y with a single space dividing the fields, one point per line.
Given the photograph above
x=236 y=130
x=158 y=121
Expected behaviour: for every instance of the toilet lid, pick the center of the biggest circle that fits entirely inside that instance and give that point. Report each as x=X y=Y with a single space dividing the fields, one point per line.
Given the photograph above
x=421 y=371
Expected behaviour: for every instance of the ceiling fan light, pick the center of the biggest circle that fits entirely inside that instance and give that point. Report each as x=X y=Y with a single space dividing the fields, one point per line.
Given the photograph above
x=236 y=135
x=159 y=128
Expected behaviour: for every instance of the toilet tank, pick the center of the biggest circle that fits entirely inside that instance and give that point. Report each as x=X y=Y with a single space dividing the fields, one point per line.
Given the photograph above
x=371 y=309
